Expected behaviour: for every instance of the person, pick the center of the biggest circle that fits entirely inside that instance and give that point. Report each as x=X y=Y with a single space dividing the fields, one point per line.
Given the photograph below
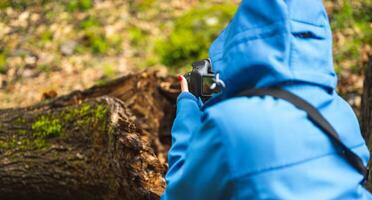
x=265 y=147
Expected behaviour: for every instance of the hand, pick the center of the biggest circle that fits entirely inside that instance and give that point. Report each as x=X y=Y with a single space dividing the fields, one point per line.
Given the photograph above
x=183 y=83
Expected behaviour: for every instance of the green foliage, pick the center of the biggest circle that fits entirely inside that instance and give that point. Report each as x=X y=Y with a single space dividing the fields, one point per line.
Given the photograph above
x=21 y=4
x=46 y=36
x=344 y=17
x=3 y=67
x=44 y=68
x=363 y=13
x=109 y=71
x=193 y=33
x=351 y=19
x=89 y=22
x=44 y=39
x=98 y=43
x=95 y=40
x=349 y=50
x=46 y=127
x=4 y=4
x=82 y=5
x=141 y=5
x=136 y=36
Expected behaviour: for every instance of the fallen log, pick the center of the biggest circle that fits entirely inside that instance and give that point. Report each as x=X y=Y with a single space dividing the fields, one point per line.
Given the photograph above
x=107 y=142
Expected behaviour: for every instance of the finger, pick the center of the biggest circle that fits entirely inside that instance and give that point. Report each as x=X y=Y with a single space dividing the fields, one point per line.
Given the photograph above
x=183 y=83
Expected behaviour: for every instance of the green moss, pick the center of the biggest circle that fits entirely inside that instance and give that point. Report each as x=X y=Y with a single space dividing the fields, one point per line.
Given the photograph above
x=85 y=114
x=101 y=112
x=22 y=132
x=25 y=143
x=43 y=128
x=76 y=112
x=40 y=143
x=85 y=108
x=3 y=145
x=20 y=121
x=11 y=143
x=22 y=143
x=46 y=127
x=68 y=115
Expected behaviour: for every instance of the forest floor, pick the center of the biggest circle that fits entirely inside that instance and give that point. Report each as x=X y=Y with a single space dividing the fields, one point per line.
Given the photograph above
x=49 y=48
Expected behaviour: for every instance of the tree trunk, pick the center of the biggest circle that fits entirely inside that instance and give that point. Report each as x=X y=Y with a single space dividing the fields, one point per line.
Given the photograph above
x=107 y=142
x=367 y=103
x=367 y=110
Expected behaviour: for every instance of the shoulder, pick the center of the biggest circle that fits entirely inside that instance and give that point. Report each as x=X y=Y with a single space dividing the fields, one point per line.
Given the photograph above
x=257 y=109
x=249 y=121
x=251 y=129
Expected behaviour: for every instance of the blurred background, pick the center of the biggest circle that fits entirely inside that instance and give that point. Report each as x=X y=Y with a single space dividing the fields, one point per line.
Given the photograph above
x=50 y=48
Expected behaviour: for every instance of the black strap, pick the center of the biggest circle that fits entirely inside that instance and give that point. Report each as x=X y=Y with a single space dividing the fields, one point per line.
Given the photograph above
x=318 y=119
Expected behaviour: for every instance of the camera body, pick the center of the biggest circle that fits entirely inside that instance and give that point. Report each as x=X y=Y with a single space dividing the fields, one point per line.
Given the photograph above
x=200 y=79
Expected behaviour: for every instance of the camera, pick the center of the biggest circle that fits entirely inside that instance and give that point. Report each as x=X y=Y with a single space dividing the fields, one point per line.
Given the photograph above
x=200 y=80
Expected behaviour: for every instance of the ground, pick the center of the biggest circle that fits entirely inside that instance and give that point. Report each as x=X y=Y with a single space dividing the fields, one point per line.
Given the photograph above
x=50 y=48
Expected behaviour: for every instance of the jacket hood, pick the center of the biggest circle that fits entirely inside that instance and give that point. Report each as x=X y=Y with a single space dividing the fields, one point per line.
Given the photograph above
x=272 y=42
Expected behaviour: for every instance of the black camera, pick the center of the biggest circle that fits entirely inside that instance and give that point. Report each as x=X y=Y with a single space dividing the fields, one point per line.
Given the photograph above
x=200 y=79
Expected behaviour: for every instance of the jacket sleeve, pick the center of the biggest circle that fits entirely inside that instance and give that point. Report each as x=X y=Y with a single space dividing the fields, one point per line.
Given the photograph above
x=187 y=120
x=197 y=168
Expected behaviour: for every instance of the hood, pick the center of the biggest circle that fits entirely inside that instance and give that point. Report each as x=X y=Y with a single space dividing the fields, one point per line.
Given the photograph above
x=273 y=42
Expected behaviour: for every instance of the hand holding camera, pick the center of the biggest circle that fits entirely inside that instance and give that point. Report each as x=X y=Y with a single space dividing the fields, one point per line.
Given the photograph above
x=201 y=81
x=183 y=83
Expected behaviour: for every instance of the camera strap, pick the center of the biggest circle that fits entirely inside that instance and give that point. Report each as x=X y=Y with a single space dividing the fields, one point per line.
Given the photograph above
x=317 y=118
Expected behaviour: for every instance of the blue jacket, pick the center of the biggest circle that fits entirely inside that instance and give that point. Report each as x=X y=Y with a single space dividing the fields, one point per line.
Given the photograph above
x=262 y=147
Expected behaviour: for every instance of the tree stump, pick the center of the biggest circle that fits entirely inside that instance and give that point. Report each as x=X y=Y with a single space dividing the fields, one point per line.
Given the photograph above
x=107 y=142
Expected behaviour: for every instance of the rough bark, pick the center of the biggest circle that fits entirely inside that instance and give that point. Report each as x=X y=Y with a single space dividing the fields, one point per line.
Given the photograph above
x=367 y=111
x=107 y=142
x=367 y=103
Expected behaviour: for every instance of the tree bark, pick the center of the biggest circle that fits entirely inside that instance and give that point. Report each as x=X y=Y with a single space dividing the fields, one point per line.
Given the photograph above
x=367 y=103
x=107 y=142
x=367 y=110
